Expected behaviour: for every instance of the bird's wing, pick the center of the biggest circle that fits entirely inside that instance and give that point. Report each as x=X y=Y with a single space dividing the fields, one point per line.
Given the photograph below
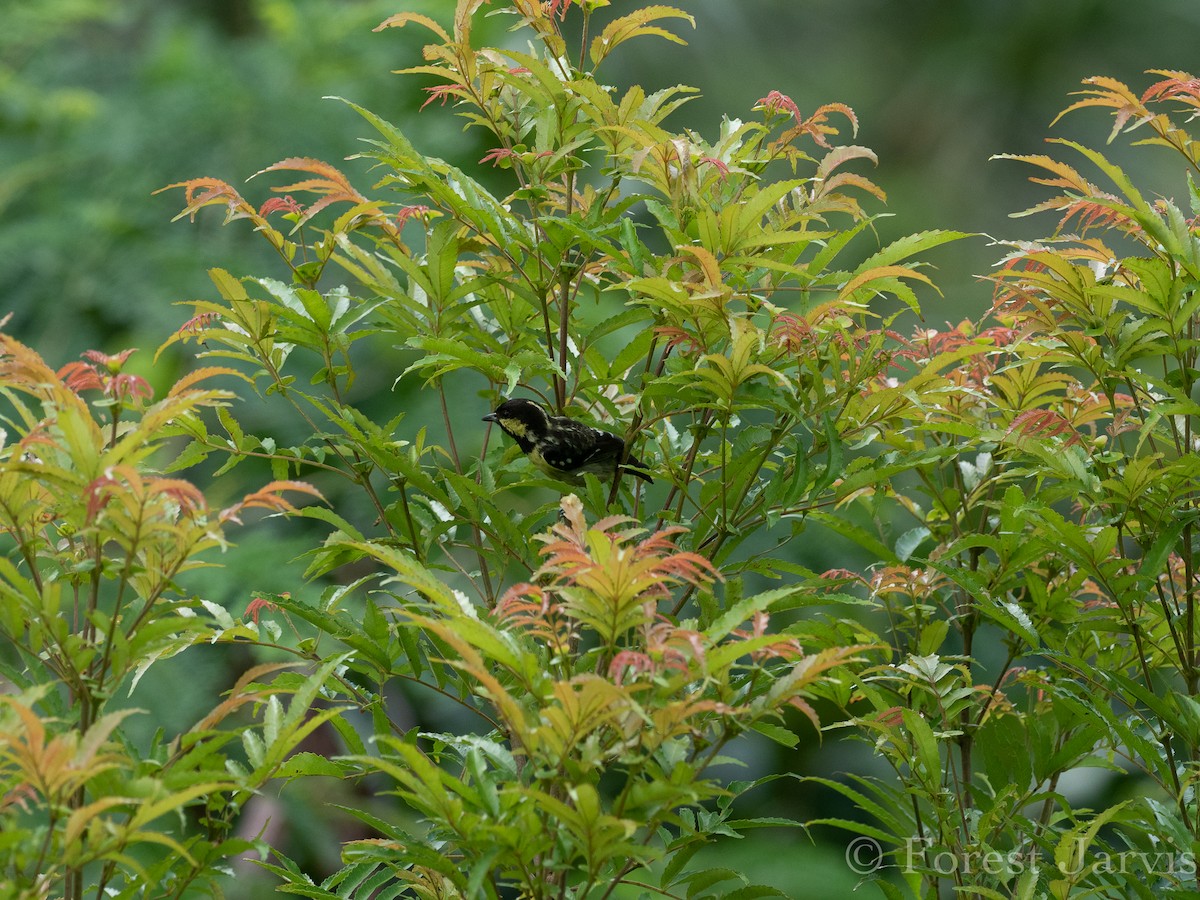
x=586 y=446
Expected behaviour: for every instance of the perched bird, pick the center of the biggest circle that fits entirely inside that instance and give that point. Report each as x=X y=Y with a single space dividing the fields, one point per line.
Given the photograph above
x=560 y=446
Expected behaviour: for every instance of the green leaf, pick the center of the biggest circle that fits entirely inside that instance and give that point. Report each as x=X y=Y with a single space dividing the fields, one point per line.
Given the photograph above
x=636 y=24
x=307 y=763
x=910 y=245
x=1003 y=748
x=634 y=352
x=777 y=733
x=908 y=542
x=700 y=881
x=744 y=609
x=751 y=892
x=861 y=536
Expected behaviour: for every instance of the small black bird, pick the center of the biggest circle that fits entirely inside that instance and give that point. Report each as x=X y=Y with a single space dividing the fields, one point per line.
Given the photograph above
x=560 y=446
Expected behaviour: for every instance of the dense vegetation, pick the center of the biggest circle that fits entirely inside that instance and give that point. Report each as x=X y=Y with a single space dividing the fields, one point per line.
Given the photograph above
x=521 y=687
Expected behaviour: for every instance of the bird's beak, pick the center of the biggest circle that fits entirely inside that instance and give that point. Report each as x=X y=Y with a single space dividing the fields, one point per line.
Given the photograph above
x=490 y=417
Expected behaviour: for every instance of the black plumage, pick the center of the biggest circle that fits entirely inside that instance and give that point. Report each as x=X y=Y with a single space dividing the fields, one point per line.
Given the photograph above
x=560 y=446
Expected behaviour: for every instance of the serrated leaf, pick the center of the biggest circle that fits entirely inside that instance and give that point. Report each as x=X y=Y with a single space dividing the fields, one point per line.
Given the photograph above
x=306 y=763
x=777 y=733
x=633 y=25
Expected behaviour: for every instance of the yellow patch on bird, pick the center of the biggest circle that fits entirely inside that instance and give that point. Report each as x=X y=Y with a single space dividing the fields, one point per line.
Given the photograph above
x=535 y=457
x=515 y=427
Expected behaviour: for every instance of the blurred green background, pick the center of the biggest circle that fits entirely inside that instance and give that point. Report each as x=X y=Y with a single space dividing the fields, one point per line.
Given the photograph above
x=103 y=102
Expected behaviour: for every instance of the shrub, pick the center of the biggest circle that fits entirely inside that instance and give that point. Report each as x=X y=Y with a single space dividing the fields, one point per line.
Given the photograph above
x=684 y=293
x=96 y=541
x=1024 y=488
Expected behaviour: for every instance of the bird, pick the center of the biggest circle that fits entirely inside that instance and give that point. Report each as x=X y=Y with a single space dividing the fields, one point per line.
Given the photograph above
x=563 y=447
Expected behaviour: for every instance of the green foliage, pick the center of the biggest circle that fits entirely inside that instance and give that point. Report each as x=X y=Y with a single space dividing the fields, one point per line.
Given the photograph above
x=101 y=258
x=522 y=802
x=95 y=542
x=1025 y=487
x=1061 y=526
x=631 y=272
x=685 y=293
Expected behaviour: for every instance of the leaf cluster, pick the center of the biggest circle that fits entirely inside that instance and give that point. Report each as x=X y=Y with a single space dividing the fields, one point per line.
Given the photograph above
x=1024 y=487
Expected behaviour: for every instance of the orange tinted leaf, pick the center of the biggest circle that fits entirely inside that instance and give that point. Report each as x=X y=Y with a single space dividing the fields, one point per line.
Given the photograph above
x=197 y=375
x=850 y=179
x=399 y=20
x=276 y=204
x=1181 y=86
x=839 y=155
x=803 y=705
x=200 y=192
x=776 y=101
x=1115 y=94
x=328 y=175
x=186 y=494
x=1068 y=177
x=1044 y=423
x=635 y=24
x=822 y=114
x=269 y=497
x=708 y=265
x=79 y=376
x=878 y=274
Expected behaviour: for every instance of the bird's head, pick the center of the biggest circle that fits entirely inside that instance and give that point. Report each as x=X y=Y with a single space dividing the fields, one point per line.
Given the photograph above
x=521 y=419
